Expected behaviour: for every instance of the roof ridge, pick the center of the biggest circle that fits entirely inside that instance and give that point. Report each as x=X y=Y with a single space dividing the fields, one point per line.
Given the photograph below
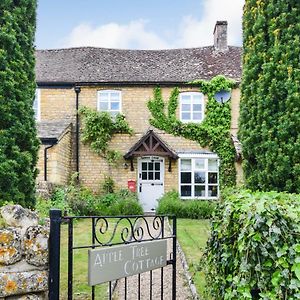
x=120 y=49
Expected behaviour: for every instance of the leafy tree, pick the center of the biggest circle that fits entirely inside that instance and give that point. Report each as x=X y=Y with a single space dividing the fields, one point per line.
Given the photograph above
x=18 y=141
x=270 y=104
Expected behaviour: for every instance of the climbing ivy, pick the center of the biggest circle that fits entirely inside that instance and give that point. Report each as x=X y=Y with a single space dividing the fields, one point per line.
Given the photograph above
x=99 y=128
x=212 y=132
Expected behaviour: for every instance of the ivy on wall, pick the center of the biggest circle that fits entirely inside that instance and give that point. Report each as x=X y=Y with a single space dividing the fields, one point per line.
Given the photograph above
x=99 y=128
x=212 y=132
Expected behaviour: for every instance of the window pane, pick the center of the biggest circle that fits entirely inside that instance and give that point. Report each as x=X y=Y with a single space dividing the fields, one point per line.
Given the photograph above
x=144 y=175
x=114 y=96
x=115 y=106
x=103 y=105
x=144 y=166
x=212 y=177
x=200 y=164
x=212 y=165
x=186 y=190
x=103 y=96
x=197 y=116
x=185 y=107
x=157 y=166
x=197 y=98
x=197 y=107
x=186 y=165
x=150 y=176
x=186 y=177
x=185 y=116
x=185 y=98
x=199 y=190
x=212 y=191
x=199 y=177
x=150 y=166
x=157 y=175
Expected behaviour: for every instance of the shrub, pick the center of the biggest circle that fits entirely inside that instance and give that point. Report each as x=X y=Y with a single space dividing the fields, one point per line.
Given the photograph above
x=18 y=138
x=254 y=249
x=269 y=111
x=171 y=203
x=76 y=200
x=57 y=200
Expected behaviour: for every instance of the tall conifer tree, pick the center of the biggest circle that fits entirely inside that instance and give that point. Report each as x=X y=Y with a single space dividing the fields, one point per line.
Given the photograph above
x=18 y=141
x=270 y=104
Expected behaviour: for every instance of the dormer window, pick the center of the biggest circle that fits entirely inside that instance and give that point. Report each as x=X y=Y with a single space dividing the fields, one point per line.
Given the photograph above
x=191 y=107
x=37 y=105
x=110 y=101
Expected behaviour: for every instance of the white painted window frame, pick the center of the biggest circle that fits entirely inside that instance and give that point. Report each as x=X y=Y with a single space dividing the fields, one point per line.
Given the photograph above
x=193 y=157
x=109 y=100
x=191 y=120
x=37 y=99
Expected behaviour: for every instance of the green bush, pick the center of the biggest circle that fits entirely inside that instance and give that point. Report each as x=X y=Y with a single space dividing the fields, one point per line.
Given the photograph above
x=254 y=248
x=74 y=200
x=269 y=110
x=171 y=203
x=18 y=135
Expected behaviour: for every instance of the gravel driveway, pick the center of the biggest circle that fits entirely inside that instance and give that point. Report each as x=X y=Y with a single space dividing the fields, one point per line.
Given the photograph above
x=182 y=290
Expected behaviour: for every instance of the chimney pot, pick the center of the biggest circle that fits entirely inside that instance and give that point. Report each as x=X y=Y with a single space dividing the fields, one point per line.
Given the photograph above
x=220 y=36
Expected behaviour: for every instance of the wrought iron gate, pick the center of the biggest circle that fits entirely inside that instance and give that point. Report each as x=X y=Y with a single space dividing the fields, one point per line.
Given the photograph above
x=124 y=230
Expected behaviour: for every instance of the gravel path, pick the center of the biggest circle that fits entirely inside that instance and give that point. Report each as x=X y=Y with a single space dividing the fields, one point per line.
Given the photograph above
x=182 y=288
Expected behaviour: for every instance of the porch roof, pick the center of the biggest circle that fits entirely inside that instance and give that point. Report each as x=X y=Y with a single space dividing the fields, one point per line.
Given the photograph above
x=50 y=132
x=151 y=144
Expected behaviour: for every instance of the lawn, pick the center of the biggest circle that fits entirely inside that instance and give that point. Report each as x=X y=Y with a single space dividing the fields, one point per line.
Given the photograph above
x=82 y=234
x=192 y=236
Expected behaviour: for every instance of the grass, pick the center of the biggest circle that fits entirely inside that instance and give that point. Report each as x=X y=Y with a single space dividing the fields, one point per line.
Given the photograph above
x=192 y=236
x=82 y=235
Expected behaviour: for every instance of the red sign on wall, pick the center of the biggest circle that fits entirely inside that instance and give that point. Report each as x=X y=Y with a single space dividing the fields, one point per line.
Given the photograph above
x=131 y=185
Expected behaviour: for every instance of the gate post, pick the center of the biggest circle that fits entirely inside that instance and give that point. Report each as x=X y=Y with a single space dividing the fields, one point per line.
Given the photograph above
x=54 y=254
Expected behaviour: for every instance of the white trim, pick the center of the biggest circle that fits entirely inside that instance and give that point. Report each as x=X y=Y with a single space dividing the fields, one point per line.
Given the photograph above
x=198 y=155
x=193 y=157
x=109 y=100
x=37 y=98
x=191 y=120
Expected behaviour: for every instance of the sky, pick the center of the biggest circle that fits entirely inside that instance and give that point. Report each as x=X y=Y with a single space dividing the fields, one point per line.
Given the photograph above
x=135 y=24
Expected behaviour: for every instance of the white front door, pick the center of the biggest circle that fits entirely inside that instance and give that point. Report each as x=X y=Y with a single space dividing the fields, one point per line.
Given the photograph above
x=151 y=181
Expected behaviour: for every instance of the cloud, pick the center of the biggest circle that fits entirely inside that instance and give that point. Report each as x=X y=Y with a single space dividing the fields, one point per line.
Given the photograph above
x=129 y=36
x=195 y=33
x=191 y=31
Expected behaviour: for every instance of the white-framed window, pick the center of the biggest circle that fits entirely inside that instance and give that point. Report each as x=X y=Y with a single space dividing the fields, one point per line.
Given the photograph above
x=110 y=101
x=191 y=107
x=37 y=105
x=199 y=177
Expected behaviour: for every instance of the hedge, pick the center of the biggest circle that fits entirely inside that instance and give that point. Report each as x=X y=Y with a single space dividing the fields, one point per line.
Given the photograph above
x=254 y=248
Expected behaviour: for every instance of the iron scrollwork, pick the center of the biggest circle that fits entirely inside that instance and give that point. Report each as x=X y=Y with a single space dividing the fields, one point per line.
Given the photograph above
x=128 y=229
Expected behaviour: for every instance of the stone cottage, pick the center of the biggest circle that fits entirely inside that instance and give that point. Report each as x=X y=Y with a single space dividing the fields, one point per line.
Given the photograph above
x=122 y=81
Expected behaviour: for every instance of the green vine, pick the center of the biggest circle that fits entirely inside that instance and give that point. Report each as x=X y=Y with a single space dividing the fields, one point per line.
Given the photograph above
x=98 y=130
x=212 y=132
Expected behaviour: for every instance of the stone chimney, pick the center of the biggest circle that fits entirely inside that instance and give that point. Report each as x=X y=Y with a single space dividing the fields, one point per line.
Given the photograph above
x=220 y=36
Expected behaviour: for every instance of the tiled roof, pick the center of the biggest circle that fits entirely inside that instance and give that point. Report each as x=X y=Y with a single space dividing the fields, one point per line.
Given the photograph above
x=52 y=130
x=100 y=65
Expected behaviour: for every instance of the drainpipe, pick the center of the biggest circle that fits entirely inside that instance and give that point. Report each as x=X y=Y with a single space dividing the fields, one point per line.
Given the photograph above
x=45 y=161
x=77 y=90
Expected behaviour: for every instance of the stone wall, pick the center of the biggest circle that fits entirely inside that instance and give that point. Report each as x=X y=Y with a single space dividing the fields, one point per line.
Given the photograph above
x=23 y=255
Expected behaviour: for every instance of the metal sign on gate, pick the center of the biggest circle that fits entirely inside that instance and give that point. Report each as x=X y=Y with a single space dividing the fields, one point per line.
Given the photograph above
x=126 y=260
